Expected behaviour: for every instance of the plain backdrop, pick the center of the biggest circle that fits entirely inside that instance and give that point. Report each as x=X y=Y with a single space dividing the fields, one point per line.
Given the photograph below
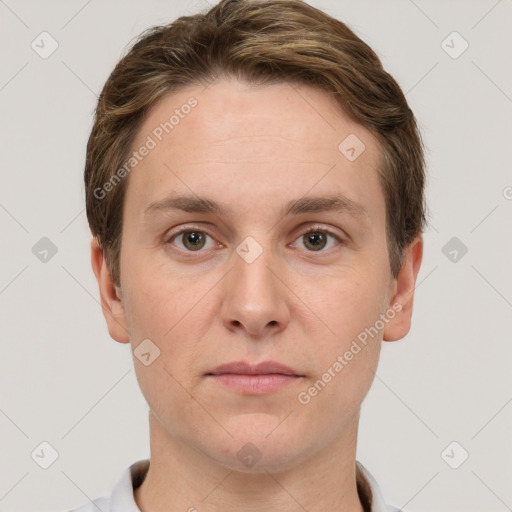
x=66 y=383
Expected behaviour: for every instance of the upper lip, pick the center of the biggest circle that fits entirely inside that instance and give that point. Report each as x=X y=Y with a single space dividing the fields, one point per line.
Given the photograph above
x=245 y=368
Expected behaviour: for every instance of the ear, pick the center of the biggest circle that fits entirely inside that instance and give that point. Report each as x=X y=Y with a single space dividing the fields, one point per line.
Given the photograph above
x=111 y=298
x=403 y=291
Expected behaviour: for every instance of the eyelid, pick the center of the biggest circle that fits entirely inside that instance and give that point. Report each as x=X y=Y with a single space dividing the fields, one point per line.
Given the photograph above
x=322 y=227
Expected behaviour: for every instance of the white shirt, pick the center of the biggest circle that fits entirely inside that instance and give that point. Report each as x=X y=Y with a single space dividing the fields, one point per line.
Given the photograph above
x=122 y=499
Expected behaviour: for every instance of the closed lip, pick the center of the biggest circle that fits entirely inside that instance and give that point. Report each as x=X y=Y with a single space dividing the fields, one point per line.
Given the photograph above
x=246 y=368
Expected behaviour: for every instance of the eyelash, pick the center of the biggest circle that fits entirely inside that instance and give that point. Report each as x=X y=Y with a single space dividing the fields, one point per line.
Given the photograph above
x=310 y=229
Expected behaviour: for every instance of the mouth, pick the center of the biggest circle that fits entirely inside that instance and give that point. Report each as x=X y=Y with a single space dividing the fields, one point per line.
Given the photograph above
x=246 y=378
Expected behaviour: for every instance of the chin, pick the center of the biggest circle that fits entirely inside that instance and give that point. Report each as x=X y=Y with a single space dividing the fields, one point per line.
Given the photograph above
x=260 y=444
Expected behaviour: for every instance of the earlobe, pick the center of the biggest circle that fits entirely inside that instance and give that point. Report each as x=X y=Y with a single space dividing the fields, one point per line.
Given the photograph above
x=110 y=295
x=403 y=296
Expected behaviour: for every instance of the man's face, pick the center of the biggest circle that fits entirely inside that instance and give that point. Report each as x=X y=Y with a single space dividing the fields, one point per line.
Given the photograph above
x=298 y=291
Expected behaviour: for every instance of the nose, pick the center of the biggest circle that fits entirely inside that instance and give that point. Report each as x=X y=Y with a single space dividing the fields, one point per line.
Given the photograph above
x=255 y=298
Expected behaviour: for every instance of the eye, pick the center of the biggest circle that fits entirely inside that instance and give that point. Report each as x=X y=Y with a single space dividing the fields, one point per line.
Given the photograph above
x=191 y=240
x=317 y=239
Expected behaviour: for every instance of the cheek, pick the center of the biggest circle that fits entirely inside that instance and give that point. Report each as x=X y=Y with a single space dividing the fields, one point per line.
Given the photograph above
x=346 y=355
x=344 y=362
x=154 y=300
x=338 y=392
x=175 y=313
x=348 y=304
x=162 y=311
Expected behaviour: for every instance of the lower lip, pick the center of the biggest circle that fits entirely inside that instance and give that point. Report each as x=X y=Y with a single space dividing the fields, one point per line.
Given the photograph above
x=255 y=384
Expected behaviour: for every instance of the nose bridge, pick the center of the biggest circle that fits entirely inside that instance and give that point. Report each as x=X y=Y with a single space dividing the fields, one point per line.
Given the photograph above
x=254 y=298
x=252 y=272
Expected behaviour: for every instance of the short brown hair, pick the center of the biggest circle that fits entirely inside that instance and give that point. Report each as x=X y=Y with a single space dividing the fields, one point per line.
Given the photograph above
x=260 y=42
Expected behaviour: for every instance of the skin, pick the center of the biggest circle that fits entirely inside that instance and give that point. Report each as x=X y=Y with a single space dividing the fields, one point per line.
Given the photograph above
x=254 y=149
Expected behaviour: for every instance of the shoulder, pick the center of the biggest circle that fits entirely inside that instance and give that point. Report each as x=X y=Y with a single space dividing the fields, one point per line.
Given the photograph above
x=370 y=491
x=102 y=504
x=121 y=498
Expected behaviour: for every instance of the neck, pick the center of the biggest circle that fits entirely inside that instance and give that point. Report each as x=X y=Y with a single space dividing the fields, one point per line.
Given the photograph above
x=182 y=479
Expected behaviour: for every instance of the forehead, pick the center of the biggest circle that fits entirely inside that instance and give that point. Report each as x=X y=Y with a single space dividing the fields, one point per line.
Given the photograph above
x=275 y=139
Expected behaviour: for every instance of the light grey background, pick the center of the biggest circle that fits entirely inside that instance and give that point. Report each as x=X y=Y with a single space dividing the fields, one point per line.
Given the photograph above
x=64 y=381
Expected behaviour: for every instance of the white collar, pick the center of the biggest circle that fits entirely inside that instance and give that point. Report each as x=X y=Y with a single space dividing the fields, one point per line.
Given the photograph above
x=122 y=498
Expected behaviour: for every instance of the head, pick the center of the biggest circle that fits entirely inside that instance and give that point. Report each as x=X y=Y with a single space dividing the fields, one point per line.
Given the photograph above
x=255 y=190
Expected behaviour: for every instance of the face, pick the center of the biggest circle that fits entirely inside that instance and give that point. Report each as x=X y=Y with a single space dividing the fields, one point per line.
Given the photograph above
x=250 y=237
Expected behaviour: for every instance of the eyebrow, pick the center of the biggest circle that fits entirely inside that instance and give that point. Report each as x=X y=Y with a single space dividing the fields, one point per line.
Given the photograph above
x=310 y=204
